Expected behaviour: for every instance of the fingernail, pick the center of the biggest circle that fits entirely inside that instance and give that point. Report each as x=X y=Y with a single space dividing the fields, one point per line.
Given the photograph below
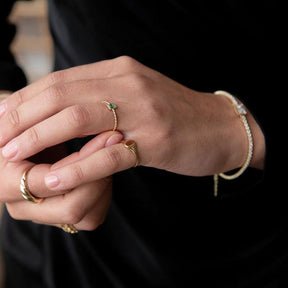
x=10 y=150
x=114 y=139
x=51 y=181
x=3 y=107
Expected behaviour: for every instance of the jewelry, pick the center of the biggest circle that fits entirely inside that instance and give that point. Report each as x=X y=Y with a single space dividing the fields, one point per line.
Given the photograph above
x=69 y=228
x=131 y=145
x=26 y=193
x=112 y=107
x=241 y=111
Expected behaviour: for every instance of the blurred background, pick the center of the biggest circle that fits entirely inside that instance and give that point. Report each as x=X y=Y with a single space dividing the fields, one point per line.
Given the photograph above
x=32 y=46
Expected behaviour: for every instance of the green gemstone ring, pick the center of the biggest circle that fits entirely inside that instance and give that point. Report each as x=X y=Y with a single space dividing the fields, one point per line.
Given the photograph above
x=112 y=107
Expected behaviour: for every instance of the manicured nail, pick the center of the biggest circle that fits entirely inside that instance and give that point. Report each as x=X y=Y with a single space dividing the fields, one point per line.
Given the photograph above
x=114 y=139
x=10 y=150
x=51 y=181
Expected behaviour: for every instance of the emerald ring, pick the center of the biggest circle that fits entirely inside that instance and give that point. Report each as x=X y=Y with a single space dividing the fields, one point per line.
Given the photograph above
x=112 y=107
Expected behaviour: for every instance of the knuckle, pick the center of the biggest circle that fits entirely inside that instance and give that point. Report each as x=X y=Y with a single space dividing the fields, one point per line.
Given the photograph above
x=33 y=136
x=13 y=118
x=72 y=214
x=55 y=94
x=126 y=63
x=139 y=83
x=77 y=174
x=78 y=116
x=18 y=97
x=112 y=159
x=154 y=109
x=55 y=78
x=136 y=79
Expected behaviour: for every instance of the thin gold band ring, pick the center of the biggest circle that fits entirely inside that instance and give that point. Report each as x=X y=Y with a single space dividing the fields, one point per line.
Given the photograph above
x=112 y=107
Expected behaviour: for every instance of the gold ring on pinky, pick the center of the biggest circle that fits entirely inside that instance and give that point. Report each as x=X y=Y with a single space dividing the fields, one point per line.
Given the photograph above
x=131 y=145
x=112 y=107
x=69 y=228
x=26 y=193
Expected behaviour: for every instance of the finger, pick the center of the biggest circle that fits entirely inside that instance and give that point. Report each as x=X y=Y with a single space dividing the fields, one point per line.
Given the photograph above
x=99 y=70
x=73 y=122
x=101 y=164
x=66 y=125
x=102 y=140
x=68 y=75
x=69 y=208
x=11 y=174
x=36 y=182
x=97 y=215
x=92 y=219
x=51 y=101
x=35 y=177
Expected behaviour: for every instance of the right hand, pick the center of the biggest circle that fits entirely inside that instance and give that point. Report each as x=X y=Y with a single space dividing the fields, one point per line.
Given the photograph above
x=84 y=206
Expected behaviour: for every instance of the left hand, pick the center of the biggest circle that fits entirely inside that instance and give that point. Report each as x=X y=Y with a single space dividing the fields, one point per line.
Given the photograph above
x=85 y=206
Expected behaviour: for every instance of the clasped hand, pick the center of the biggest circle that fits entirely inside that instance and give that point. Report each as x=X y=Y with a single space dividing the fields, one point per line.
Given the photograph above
x=176 y=129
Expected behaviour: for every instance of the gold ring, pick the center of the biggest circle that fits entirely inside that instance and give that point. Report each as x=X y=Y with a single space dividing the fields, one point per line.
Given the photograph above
x=112 y=107
x=131 y=145
x=26 y=193
x=69 y=228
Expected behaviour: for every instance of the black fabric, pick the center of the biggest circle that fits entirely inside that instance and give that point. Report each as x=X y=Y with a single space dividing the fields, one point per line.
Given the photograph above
x=11 y=76
x=163 y=229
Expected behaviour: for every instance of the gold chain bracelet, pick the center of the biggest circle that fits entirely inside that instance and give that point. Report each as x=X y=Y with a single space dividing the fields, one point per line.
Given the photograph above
x=241 y=111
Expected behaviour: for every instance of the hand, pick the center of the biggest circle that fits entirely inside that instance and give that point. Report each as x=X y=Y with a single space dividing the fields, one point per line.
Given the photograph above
x=85 y=206
x=175 y=128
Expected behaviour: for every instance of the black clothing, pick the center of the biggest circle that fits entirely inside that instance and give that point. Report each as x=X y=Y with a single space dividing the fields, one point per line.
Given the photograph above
x=163 y=229
x=12 y=77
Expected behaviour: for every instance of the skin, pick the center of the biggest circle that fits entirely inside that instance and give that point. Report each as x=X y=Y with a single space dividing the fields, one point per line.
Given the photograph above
x=176 y=129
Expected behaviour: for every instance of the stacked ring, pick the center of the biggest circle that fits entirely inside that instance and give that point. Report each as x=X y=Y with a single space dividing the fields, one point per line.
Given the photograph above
x=26 y=193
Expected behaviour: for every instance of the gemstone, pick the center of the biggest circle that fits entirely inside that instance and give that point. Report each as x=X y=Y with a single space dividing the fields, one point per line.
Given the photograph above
x=241 y=109
x=112 y=106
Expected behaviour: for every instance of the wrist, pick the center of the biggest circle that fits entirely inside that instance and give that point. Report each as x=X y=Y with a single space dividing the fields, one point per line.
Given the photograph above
x=254 y=156
x=242 y=145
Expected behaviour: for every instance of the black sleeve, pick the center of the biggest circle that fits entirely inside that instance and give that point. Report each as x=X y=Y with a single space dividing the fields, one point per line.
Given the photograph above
x=11 y=76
